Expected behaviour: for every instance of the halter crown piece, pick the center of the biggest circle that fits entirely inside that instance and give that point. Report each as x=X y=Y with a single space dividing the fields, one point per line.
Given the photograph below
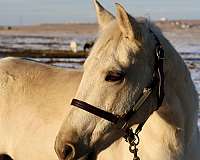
x=156 y=84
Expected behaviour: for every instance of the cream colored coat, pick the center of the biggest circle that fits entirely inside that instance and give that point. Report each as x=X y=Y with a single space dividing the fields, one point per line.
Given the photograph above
x=34 y=99
x=125 y=44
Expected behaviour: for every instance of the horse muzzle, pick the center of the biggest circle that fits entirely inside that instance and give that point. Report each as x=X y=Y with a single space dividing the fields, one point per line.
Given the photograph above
x=68 y=151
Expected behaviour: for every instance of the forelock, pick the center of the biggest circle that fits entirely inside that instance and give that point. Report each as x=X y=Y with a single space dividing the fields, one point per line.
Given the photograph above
x=110 y=43
x=108 y=39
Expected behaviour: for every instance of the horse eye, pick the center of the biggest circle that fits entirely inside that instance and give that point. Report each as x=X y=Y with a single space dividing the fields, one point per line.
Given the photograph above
x=114 y=76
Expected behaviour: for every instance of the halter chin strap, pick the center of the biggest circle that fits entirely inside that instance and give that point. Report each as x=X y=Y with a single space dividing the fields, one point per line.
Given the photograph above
x=116 y=119
x=156 y=84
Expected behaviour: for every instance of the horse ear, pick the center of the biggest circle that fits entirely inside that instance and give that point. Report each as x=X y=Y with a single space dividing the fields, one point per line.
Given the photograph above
x=103 y=16
x=128 y=25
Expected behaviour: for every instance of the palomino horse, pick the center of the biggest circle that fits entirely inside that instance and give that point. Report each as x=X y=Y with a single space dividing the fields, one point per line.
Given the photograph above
x=33 y=100
x=121 y=64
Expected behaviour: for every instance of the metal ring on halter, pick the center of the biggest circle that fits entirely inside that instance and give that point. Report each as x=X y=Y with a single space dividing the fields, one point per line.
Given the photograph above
x=134 y=141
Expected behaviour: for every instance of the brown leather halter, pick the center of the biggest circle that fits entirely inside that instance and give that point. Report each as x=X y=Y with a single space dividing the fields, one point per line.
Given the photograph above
x=157 y=83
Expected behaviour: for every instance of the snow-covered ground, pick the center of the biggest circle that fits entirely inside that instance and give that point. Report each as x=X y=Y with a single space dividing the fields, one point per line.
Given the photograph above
x=187 y=44
x=43 y=42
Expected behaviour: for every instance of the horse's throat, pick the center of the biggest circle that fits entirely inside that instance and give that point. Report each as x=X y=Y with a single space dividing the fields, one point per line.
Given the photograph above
x=160 y=139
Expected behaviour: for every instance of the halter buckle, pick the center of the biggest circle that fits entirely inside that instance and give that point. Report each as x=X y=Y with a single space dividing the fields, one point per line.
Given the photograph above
x=160 y=52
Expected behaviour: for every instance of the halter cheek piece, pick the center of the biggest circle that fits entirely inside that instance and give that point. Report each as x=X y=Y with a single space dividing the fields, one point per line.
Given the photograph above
x=157 y=84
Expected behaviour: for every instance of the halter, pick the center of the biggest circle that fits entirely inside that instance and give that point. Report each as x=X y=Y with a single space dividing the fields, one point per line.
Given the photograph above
x=157 y=84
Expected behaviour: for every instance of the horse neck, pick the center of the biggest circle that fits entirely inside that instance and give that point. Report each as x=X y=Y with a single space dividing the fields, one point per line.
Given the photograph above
x=181 y=98
x=167 y=130
x=171 y=126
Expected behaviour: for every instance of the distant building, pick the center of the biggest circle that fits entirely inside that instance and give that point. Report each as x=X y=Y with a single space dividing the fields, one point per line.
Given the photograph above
x=163 y=19
x=185 y=26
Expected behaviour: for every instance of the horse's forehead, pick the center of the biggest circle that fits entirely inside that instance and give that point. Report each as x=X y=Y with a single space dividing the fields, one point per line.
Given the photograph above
x=104 y=50
x=109 y=39
x=101 y=62
x=111 y=49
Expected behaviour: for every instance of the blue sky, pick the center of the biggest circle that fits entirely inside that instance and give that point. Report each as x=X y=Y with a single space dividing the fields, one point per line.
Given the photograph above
x=15 y=12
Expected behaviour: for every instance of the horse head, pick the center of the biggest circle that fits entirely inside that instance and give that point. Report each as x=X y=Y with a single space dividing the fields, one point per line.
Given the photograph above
x=120 y=65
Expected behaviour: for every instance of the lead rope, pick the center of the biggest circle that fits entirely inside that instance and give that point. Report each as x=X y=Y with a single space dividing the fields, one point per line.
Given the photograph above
x=132 y=137
x=133 y=140
x=133 y=147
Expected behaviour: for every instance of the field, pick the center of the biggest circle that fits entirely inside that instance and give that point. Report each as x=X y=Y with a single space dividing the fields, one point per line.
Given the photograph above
x=49 y=43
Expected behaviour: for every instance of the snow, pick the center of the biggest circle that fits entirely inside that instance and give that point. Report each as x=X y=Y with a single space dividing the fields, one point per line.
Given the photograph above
x=187 y=44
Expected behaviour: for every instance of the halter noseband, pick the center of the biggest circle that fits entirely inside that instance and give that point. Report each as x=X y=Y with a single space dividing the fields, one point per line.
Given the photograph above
x=157 y=84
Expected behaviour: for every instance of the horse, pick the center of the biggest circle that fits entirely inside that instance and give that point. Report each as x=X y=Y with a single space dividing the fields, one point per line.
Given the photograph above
x=122 y=63
x=73 y=46
x=33 y=104
x=88 y=45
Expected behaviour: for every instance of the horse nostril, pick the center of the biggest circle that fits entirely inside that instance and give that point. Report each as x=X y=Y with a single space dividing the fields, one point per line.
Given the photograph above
x=68 y=151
